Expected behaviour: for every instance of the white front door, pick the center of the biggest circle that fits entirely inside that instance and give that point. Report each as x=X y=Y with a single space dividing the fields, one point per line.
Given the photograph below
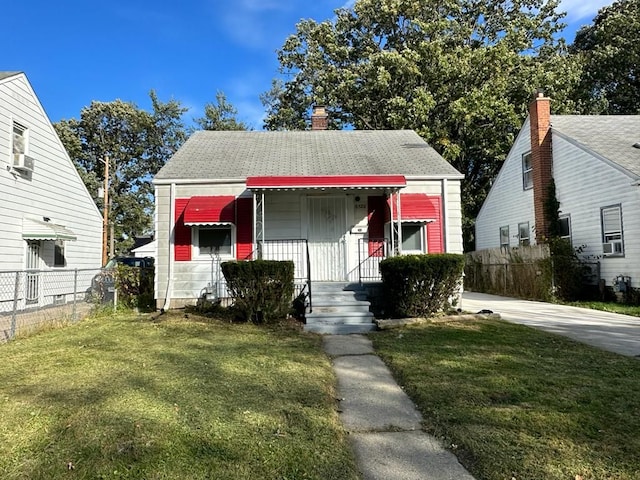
x=327 y=227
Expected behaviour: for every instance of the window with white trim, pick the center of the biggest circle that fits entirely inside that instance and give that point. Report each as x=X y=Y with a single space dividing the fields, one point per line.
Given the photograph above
x=612 y=239
x=215 y=240
x=19 y=139
x=413 y=237
x=59 y=259
x=504 y=236
x=565 y=227
x=527 y=171
x=524 y=237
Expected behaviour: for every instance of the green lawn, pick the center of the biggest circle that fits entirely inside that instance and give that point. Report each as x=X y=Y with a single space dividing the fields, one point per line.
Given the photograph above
x=124 y=397
x=610 y=307
x=513 y=402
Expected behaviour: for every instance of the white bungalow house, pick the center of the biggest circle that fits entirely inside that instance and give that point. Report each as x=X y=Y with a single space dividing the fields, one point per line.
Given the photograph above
x=334 y=202
x=595 y=164
x=48 y=220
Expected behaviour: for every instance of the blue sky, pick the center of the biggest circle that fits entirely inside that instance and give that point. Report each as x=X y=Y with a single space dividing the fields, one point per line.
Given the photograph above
x=77 y=51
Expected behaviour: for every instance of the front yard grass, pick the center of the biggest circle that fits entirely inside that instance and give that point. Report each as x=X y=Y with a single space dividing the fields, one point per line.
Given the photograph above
x=514 y=402
x=124 y=397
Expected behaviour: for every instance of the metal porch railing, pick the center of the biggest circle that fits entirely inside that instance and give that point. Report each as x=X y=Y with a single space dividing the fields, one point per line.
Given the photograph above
x=371 y=251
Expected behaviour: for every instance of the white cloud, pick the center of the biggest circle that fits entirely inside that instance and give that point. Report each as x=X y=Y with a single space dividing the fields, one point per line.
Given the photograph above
x=582 y=9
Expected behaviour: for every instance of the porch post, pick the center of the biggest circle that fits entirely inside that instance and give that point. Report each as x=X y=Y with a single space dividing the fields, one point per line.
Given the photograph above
x=392 y=229
x=258 y=221
x=399 y=221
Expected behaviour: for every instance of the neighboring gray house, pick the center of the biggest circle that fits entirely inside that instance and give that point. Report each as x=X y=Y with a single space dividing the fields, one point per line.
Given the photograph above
x=335 y=202
x=595 y=164
x=48 y=220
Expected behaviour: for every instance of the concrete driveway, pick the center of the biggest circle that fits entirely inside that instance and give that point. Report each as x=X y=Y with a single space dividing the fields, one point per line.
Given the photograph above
x=609 y=331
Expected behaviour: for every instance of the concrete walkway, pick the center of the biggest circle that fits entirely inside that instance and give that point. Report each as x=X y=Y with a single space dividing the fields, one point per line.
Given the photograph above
x=609 y=331
x=384 y=425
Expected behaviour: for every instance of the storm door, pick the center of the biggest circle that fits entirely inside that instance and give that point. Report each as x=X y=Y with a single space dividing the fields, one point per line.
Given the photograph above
x=32 y=284
x=327 y=226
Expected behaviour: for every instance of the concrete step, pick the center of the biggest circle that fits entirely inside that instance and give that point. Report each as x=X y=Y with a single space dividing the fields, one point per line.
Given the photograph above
x=340 y=317
x=341 y=307
x=340 y=328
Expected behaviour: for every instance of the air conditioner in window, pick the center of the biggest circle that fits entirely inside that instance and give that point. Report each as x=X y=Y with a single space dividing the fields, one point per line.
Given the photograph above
x=23 y=162
x=612 y=248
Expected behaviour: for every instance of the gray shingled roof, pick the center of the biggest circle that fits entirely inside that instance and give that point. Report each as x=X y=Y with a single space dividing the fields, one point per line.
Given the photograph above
x=237 y=155
x=4 y=75
x=610 y=136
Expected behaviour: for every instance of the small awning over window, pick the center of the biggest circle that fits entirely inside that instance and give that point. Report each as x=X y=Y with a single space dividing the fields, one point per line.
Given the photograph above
x=215 y=210
x=418 y=207
x=343 y=182
x=41 y=230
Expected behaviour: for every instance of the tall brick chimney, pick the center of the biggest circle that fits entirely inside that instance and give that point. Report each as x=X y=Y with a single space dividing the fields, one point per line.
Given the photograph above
x=319 y=118
x=541 y=160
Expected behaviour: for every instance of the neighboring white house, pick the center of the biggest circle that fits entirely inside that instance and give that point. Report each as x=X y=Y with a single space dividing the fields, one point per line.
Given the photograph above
x=595 y=164
x=335 y=202
x=48 y=220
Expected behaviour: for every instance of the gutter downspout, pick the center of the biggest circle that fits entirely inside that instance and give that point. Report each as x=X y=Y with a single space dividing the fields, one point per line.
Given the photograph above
x=172 y=223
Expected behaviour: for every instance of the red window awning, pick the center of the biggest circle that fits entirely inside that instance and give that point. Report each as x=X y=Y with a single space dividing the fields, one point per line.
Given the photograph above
x=215 y=210
x=417 y=206
x=344 y=182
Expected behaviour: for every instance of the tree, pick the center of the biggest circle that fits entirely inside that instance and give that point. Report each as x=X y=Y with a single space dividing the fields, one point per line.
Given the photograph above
x=460 y=73
x=137 y=143
x=611 y=54
x=220 y=115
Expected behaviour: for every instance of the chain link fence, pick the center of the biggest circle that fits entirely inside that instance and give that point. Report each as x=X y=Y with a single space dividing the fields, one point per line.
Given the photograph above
x=34 y=299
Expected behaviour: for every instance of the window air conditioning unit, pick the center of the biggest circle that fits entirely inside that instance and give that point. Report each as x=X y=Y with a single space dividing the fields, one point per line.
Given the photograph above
x=612 y=248
x=23 y=162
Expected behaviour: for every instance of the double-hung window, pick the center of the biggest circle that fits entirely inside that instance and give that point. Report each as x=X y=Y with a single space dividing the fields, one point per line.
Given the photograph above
x=527 y=171
x=59 y=259
x=524 y=237
x=504 y=236
x=19 y=139
x=565 y=227
x=612 y=239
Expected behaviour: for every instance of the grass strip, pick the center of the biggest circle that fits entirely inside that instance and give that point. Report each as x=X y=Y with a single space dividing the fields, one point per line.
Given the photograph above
x=514 y=402
x=127 y=398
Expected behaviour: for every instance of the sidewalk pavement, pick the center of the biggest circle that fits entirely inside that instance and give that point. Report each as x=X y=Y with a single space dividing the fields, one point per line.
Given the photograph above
x=384 y=425
x=609 y=331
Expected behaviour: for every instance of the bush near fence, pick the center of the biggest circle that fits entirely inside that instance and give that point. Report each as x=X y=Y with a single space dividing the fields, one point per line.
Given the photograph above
x=532 y=272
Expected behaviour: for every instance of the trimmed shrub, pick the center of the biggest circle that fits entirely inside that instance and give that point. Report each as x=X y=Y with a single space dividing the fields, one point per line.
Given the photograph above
x=262 y=290
x=420 y=285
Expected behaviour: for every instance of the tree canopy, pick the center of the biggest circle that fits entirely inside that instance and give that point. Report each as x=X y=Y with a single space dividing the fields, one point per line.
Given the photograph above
x=220 y=115
x=136 y=143
x=460 y=73
x=611 y=52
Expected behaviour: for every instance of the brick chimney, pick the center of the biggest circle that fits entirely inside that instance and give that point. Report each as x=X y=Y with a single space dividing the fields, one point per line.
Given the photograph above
x=541 y=160
x=319 y=118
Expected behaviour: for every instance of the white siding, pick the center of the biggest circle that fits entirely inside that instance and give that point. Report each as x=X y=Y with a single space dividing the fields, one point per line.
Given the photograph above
x=585 y=184
x=507 y=202
x=285 y=219
x=53 y=190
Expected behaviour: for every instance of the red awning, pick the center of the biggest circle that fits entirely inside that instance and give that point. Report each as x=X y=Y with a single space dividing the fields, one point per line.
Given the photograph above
x=210 y=210
x=417 y=206
x=344 y=182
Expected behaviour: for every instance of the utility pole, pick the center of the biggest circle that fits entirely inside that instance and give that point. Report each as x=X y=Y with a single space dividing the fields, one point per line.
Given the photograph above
x=105 y=214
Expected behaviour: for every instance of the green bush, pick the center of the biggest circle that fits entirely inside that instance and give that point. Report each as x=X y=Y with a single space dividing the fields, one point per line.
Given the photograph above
x=420 y=285
x=262 y=290
x=135 y=287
